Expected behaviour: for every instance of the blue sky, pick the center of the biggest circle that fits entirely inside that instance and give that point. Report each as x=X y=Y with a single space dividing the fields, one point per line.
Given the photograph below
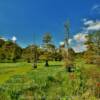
x=28 y=20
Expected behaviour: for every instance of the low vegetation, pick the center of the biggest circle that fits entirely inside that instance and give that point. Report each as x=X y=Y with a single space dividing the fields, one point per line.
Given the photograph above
x=52 y=83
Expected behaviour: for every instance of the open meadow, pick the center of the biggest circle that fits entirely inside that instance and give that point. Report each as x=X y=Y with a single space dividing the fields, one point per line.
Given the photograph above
x=19 y=81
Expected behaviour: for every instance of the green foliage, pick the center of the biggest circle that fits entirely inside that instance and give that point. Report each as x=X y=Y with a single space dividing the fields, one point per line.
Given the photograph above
x=48 y=47
x=52 y=83
x=27 y=54
x=9 y=51
x=1 y=42
x=47 y=38
x=92 y=55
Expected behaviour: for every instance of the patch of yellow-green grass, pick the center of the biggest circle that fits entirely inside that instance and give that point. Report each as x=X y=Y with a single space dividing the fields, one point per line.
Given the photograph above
x=7 y=70
x=10 y=69
x=81 y=63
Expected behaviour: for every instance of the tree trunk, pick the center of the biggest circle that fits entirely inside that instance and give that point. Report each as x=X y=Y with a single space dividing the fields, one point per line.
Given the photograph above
x=46 y=63
x=34 y=65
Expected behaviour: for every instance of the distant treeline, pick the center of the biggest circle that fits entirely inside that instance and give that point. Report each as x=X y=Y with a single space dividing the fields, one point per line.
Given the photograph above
x=12 y=52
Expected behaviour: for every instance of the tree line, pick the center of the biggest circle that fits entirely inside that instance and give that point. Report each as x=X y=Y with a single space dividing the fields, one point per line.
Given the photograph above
x=12 y=52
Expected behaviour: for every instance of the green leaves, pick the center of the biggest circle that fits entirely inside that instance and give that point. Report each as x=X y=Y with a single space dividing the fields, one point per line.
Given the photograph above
x=92 y=55
x=47 y=38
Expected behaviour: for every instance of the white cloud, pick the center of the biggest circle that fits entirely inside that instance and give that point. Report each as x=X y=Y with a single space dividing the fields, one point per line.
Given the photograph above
x=14 y=38
x=91 y=25
x=94 y=27
x=77 y=42
x=70 y=40
x=89 y=22
x=80 y=48
x=80 y=37
x=62 y=43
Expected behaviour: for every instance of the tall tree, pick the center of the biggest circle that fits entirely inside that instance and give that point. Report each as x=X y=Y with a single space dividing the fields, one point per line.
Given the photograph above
x=28 y=53
x=67 y=53
x=47 y=38
x=92 y=55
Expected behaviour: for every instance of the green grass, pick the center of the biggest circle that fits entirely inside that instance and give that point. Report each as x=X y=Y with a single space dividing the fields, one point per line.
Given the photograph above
x=10 y=69
x=52 y=82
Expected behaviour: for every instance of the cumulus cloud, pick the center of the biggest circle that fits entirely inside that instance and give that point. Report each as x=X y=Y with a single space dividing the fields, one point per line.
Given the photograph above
x=91 y=25
x=14 y=38
x=94 y=27
x=80 y=48
x=70 y=40
x=62 y=43
x=77 y=42
x=89 y=22
x=80 y=37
